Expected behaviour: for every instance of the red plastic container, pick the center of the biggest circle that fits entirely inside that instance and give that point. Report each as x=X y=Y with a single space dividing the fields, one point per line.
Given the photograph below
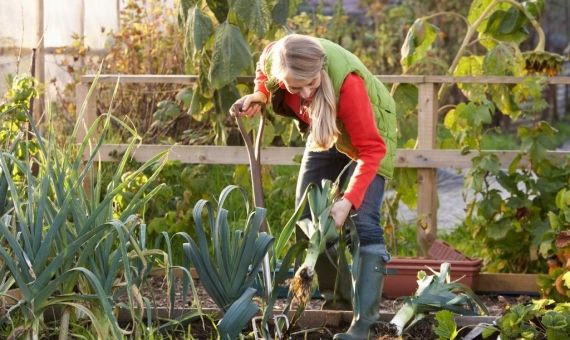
x=402 y=274
x=440 y=250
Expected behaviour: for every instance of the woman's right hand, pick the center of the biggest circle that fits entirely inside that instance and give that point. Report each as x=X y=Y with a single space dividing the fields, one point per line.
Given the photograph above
x=248 y=105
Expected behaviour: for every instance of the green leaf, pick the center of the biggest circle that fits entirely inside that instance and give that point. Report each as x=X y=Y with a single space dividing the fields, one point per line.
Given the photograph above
x=231 y=55
x=554 y=334
x=407 y=186
x=166 y=110
x=471 y=66
x=199 y=28
x=554 y=320
x=478 y=7
x=237 y=316
x=446 y=327
x=499 y=230
x=283 y=9
x=534 y=7
x=503 y=99
x=505 y=22
x=406 y=98
x=500 y=61
x=566 y=278
x=225 y=97
x=467 y=117
x=418 y=41
x=185 y=96
x=183 y=10
x=254 y=13
x=220 y=9
x=488 y=331
x=563 y=199
x=513 y=167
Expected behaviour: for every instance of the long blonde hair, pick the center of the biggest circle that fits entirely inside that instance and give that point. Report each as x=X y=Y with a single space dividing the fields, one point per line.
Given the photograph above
x=303 y=58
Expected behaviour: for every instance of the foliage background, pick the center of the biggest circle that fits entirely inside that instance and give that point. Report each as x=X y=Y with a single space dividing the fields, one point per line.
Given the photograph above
x=156 y=39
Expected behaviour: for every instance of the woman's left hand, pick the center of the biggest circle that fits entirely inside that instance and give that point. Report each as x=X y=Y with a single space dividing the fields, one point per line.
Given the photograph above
x=340 y=211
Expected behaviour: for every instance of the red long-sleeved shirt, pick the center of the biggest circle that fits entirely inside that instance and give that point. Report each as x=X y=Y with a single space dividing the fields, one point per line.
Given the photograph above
x=355 y=112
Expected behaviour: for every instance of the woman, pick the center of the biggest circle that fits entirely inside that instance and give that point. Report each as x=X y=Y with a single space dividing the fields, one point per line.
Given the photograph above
x=348 y=114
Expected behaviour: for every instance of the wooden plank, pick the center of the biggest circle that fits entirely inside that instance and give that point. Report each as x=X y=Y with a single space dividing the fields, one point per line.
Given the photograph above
x=427 y=177
x=505 y=283
x=406 y=158
x=151 y=78
x=86 y=110
x=404 y=78
x=57 y=50
x=207 y=154
x=40 y=64
x=491 y=80
x=140 y=79
x=408 y=79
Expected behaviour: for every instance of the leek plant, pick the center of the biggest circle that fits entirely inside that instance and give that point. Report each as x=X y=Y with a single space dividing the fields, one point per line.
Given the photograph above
x=62 y=242
x=229 y=273
x=436 y=292
x=321 y=232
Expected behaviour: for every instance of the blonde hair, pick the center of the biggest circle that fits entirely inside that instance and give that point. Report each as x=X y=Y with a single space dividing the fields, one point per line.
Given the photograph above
x=303 y=58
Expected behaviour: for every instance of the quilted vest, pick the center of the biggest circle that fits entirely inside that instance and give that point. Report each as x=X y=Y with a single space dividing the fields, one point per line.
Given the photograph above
x=339 y=64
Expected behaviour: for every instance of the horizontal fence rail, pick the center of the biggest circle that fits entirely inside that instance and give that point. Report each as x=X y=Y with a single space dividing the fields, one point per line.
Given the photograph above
x=426 y=157
x=390 y=79
x=206 y=154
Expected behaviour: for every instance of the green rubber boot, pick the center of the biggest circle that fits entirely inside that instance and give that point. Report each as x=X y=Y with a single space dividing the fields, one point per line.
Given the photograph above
x=368 y=288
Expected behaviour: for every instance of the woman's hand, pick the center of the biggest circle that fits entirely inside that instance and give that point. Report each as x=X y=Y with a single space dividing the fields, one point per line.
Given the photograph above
x=340 y=211
x=249 y=105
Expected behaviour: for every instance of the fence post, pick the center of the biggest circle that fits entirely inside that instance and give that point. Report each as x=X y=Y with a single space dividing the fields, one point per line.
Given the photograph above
x=86 y=112
x=427 y=178
x=85 y=116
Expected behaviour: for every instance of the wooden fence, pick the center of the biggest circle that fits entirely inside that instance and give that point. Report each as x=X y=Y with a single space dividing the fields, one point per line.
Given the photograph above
x=426 y=158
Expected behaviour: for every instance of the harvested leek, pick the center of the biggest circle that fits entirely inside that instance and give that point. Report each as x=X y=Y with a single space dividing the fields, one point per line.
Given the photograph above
x=436 y=292
x=321 y=231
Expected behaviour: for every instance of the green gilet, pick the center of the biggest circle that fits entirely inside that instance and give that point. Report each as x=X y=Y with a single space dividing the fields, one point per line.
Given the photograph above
x=340 y=63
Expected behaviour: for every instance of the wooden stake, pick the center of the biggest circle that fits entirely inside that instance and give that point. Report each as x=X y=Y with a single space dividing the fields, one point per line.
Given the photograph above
x=427 y=178
x=40 y=63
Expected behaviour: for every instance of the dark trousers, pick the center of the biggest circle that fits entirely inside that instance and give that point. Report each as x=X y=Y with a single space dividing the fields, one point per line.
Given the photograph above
x=317 y=166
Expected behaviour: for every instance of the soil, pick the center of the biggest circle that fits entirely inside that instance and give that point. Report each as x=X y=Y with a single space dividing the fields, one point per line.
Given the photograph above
x=496 y=305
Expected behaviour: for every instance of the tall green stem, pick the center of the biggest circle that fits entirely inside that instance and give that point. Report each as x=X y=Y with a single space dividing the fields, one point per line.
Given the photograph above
x=470 y=32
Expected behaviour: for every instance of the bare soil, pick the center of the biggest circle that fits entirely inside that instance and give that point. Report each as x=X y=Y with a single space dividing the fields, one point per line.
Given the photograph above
x=157 y=293
x=496 y=304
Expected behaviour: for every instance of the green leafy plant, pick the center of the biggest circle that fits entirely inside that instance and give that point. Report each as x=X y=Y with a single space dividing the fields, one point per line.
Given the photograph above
x=229 y=273
x=320 y=231
x=435 y=293
x=446 y=327
x=556 y=283
x=219 y=37
x=513 y=226
x=64 y=244
x=541 y=319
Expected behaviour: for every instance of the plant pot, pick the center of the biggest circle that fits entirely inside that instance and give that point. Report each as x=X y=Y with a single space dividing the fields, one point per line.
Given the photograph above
x=403 y=271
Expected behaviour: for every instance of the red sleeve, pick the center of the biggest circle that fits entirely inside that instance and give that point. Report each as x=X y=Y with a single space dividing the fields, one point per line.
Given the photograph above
x=355 y=112
x=260 y=77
